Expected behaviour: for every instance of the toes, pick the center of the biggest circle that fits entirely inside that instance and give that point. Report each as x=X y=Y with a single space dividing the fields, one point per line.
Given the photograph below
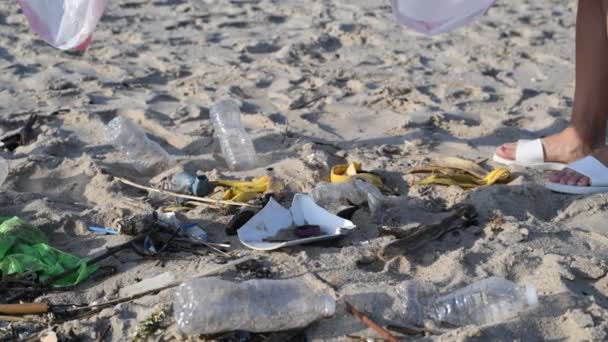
x=566 y=176
x=584 y=181
x=569 y=177
x=555 y=176
x=507 y=151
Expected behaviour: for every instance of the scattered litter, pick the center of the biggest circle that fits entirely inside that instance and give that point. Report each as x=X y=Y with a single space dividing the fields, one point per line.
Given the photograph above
x=145 y=155
x=237 y=146
x=414 y=227
x=295 y=233
x=203 y=305
x=202 y=200
x=24 y=248
x=274 y=218
x=102 y=230
x=188 y=229
x=346 y=173
x=244 y=191
x=488 y=301
x=461 y=172
x=185 y=183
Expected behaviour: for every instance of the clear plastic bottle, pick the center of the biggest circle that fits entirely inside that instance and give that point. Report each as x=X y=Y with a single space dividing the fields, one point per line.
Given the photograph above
x=237 y=146
x=356 y=192
x=488 y=301
x=144 y=154
x=3 y=170
x=211 y=305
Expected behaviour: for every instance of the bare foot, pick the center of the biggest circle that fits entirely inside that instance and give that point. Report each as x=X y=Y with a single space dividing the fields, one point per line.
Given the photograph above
x=571 y=177
x=564 y=147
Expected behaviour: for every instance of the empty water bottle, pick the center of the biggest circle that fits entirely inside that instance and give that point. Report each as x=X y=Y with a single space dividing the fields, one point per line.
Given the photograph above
x=144 y=154
x=236 y=144
x=488 y=301
x=211 y=305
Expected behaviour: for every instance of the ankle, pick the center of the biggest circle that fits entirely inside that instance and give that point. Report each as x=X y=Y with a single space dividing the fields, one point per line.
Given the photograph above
x=583 y=140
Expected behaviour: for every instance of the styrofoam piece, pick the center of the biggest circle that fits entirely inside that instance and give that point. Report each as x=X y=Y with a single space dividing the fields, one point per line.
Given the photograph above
x=274 y=218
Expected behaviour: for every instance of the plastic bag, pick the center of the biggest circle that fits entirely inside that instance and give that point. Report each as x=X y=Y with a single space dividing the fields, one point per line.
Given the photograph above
x=64 y=24
x=437 y=16
x=23 y=248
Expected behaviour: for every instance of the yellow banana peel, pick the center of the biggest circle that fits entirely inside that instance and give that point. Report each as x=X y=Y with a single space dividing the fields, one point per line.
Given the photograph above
x=244 y=191
x=344 y=173
x=463 y=173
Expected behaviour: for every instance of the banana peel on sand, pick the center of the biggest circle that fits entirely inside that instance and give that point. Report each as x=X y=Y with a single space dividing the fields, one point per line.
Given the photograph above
x=344 y=173
x=461 y=172
x=244 y=191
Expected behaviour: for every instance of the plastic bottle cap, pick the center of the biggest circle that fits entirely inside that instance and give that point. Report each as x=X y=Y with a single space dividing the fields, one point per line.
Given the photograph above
x=531 y=296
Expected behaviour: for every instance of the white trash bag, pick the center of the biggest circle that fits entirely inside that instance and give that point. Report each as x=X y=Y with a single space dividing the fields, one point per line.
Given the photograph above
x=437 y=16
x=64 y=24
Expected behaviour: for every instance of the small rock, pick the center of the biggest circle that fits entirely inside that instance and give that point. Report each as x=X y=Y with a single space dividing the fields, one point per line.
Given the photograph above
x=341 y=154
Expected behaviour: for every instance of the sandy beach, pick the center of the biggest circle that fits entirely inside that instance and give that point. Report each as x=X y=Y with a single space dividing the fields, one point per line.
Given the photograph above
x=320 y=83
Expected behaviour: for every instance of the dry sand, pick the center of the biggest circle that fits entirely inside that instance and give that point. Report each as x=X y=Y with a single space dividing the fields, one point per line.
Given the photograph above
x=320 y=82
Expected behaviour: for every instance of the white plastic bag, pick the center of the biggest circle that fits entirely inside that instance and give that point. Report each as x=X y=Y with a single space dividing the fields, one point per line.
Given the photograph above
x=64 y=24
x=437 y=16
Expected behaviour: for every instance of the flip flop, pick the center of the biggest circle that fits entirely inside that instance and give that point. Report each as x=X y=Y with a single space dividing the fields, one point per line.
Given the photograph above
x=589 y=167
x=530 y=154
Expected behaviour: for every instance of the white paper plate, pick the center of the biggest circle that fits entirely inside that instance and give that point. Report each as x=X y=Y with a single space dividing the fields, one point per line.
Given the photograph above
x=274 y=218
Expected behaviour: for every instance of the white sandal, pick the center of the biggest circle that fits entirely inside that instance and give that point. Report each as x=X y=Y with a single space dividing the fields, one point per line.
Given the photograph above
x=589 y=167
x=531 y=154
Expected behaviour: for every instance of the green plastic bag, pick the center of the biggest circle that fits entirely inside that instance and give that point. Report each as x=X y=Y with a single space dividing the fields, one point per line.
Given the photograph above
x=24 y=248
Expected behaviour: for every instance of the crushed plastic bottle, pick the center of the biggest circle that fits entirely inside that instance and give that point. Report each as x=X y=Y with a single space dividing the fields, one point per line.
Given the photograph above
x=186 y=183
x=187 y=229
x=437 y=16
x=211 y=305
x=488 y=301
x=144 y=154
x=237 y=146
x=332 y=196
x=3 y=170
x=64 y=24
x=357 y=192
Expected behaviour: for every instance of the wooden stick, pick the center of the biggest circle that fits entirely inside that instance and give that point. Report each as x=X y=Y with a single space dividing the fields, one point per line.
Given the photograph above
x=193 y=198
x=14 y=319
x=370 y=324
x=24 y=309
